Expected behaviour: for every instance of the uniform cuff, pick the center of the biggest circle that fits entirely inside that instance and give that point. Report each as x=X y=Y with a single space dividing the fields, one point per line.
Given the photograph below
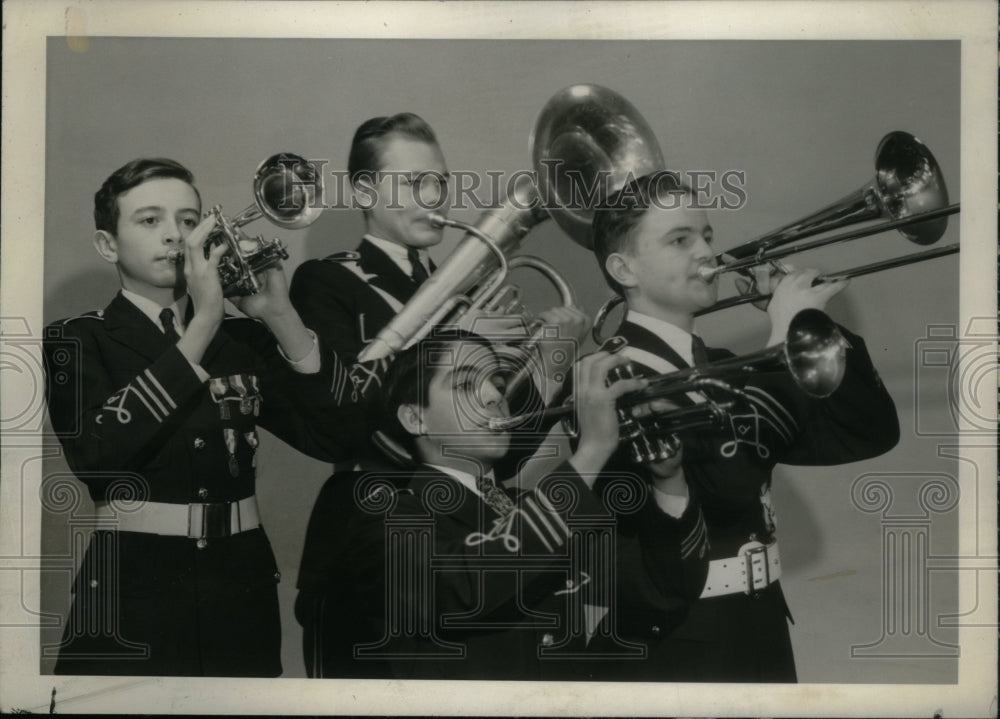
x=310 y=364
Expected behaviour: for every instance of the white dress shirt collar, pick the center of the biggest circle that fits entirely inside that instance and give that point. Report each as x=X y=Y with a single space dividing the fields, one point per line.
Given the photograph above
x=152 y=310
x=398 y=253
x=678 y=339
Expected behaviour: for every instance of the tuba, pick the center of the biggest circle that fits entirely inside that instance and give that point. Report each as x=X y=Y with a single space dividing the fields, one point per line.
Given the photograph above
x=584 y=132
x=289 y=192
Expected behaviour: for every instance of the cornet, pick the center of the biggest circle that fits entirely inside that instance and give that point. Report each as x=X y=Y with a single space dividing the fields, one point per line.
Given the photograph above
x=813 y=355
x=288 y=191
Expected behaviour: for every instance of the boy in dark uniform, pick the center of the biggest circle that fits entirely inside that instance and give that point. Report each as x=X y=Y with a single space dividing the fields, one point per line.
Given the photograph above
x=651 y=242
x=400 y=177
x=507 y=585
x=160 y=424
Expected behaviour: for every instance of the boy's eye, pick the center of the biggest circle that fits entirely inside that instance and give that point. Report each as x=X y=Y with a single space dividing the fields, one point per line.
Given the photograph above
x=152 y=220
x=189 y=223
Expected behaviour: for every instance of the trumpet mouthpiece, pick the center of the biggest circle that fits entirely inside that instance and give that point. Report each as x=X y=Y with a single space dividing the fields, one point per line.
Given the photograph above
x=502 y=424
x=437 y=220
x=175 y=255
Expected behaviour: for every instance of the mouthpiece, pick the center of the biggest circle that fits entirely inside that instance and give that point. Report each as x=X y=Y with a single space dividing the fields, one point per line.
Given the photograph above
x=175 y=255
x=437 y=220
x=505 y=424
x=708 y=273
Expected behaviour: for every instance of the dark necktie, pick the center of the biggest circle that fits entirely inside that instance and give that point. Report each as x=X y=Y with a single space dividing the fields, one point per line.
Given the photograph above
x=494 y=496
x=698 y=351
x=417 y=272
x=167 y=320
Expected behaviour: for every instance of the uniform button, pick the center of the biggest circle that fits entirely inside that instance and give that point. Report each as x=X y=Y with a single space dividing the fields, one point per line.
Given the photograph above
x=93 y=584
x=202 y=493
x=277 y=576
x=656 y=630
x=199 y=443
x=548 y=640
x=202 y=543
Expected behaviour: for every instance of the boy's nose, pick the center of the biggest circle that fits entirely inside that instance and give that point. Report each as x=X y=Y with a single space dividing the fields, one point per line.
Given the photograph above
x=489 y=394
x=703 y=250
x=171 y=232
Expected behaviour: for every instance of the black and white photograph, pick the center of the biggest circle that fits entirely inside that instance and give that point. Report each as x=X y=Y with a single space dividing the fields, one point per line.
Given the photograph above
x=499 y=358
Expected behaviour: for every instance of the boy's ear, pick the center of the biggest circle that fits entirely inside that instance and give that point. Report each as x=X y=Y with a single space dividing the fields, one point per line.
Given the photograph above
x=409 y=417
x=619 y=266
x=106 y=246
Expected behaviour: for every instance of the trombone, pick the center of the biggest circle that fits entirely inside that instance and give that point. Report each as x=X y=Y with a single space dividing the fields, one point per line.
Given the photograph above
x=813 y=355
x=908 y=189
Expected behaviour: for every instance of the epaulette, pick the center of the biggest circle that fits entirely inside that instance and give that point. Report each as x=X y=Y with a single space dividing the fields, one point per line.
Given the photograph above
x=94 y=315
x=345 y=256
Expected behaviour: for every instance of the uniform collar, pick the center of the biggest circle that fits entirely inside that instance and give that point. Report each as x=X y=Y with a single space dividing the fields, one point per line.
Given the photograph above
x=466 y=479
x=678 y=339
x=153 y=309
x=398 y=253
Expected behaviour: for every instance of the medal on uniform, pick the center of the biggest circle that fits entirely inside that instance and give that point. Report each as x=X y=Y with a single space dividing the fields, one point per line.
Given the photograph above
x=234 y=466
x=218 y=387
x=251 y=438
x=246 y=405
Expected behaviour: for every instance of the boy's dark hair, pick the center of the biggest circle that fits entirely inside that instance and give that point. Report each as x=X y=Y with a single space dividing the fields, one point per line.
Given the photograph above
x=615 y=220
x=133 y=174
x=408 y=379
x=364 y=158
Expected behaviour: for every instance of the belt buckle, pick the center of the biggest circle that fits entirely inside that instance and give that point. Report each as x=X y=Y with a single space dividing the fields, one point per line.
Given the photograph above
x=752 y=587
x=211 y=520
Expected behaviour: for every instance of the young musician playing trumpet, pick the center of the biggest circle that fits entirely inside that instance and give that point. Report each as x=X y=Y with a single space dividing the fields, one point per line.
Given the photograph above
x=653 y=245
x=158 y=416
x=513 y=585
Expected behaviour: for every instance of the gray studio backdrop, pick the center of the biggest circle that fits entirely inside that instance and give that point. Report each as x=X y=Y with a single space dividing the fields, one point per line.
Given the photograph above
x=801 y=119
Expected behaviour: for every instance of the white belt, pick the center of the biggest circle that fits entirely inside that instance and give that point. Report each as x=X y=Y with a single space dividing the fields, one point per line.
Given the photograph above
x=754 y=567
x=197 y=521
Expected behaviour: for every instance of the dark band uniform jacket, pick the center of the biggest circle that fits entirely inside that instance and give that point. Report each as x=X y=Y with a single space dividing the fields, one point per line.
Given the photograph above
x=347 y=302
x=193 y=587
x=505 y=597
x=735 y=632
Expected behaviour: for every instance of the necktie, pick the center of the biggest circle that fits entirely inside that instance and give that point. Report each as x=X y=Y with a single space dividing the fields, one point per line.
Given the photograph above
x=494 y=496
x=698 y=351
x=167 y=320
x=417 y=272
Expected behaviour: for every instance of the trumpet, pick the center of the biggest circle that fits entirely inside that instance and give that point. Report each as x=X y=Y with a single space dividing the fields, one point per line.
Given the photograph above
x=286 y=189
x=813 y=355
